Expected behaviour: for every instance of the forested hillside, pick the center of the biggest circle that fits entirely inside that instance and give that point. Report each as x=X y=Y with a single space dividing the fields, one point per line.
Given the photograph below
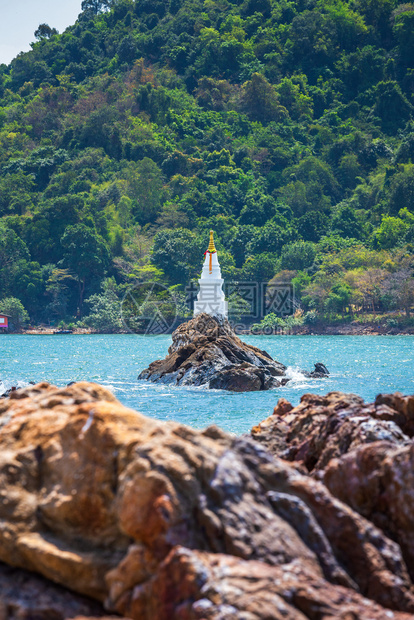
x=287 y=127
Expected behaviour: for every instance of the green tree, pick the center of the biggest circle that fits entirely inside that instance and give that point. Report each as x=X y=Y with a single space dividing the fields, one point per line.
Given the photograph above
x=259 y=268
x=95 y=6
x=371 y=286
x=377 y=13
x=105 y=311
x=146 y=183
x=172 y=216
x=15 y=310
x=401 y=285
x=391 y=232
x=271 y=237
x=28 y=286
x=361 y=69
x=338 y=299
x=46 y=227
x=259 y=207
x=391 y=106
x=260 y=101
x=403 y=32
x=238 y=306
x=350 y=26
x=296 y=102
x=16 y=193
x=124 y=209
x=349 y=170
x=13 y=255
x=238 y=243
x=311 y=186
x=345 y=223
x=298 y=255
x=313 y=225
x=300 y=282
x=402 y=191
x=44 y=31
x=312 y=40
x=179 y=254
x=58 y=288
x=84 y=254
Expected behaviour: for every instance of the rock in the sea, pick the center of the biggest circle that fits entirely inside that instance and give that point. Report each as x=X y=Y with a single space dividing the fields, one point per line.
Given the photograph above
x=206 y=351
x=321 y=428
x=319 y=372
x=164 y=522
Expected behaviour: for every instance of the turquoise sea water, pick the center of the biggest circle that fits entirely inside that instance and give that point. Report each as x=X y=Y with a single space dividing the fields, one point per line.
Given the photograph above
x=365 y=365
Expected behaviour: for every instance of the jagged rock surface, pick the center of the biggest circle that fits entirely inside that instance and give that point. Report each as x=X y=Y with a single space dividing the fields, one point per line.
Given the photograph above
x=364 y=453
x=160 y=521
x=7 y=393
x=321 y=428
x=206 y=351
x=319 y=372
x=377 y=480
x=227 y=588
x=25 y=596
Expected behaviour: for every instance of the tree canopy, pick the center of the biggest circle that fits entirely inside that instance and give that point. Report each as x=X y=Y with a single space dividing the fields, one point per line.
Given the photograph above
x=286 y=127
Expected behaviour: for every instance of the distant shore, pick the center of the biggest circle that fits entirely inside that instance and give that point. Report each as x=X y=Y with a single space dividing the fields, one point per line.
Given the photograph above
x=347 y=329
x=49 y=331
x=340 y=329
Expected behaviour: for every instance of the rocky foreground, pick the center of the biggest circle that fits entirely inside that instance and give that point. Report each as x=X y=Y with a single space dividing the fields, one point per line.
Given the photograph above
x=105 y=511
x=206 y=351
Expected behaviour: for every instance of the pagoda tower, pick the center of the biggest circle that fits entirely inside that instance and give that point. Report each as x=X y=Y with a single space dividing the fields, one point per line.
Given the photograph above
x=210 y=298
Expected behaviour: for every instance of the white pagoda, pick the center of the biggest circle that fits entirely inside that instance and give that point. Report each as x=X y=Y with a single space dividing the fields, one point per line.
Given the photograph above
x=210 y=298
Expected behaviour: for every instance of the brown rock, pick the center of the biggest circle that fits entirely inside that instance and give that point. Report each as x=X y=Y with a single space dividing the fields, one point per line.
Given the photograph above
x=206 y=351
x=243 y=378
x=398 y=408
x=283 y=406
x=97 y=498
x=203 y=586
x=378 y=482
x=324 y=427
x=26 y=596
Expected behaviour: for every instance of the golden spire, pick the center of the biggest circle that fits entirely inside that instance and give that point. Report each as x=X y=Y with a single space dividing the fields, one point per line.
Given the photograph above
x=211 y=246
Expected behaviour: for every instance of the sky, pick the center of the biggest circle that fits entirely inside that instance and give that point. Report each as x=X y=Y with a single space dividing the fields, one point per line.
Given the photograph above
x=20 y=18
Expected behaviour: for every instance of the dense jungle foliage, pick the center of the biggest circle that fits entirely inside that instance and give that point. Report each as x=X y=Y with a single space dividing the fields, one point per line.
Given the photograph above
x=287 y=127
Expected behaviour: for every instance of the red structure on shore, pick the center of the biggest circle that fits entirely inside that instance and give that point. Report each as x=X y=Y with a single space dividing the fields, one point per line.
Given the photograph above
x=4 y=321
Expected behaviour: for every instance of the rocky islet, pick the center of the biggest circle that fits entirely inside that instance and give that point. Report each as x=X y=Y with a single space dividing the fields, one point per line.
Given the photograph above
x=206 y=351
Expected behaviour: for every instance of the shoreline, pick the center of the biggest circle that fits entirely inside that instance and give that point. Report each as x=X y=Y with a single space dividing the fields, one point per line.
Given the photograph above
x=345 y=329
x=340 y=329
x=296 y=332
x=44 y=331
x=326 y=330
